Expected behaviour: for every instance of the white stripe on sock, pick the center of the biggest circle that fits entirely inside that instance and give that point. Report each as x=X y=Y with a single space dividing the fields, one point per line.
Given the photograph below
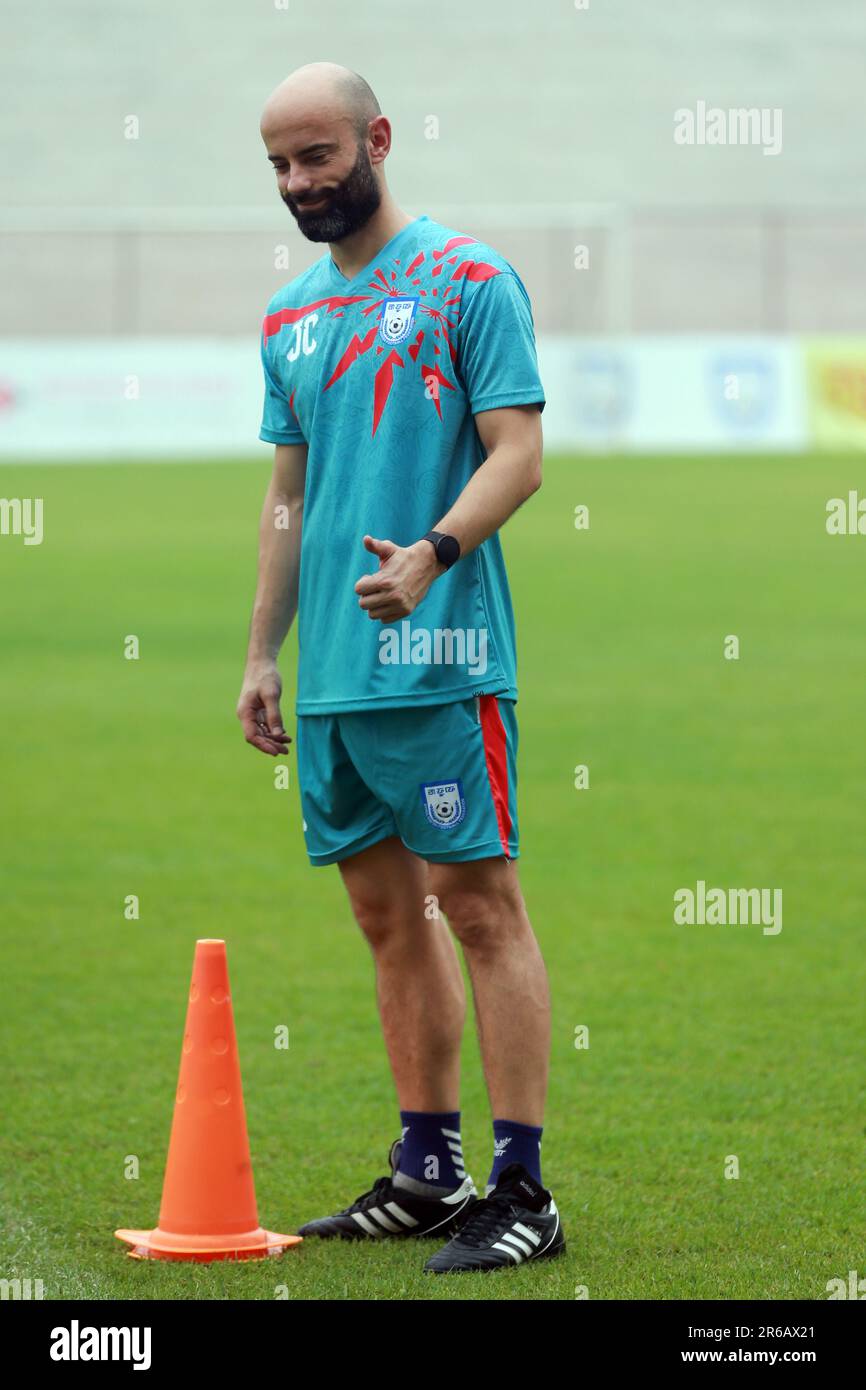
x=451 y=1133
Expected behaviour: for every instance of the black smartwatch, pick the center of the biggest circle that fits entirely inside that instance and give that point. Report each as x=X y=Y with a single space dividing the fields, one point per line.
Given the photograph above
x=447 y=547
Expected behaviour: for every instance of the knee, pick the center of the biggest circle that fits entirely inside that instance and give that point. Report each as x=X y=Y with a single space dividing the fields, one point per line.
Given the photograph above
x=380 y=918
x=479 y=920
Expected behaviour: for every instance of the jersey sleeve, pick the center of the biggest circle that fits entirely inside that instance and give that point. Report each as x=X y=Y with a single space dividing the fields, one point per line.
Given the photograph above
x=279 y=423
x=496 y=346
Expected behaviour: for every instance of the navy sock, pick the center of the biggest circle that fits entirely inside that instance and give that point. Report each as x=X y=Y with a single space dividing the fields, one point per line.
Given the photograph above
x=432 y=1152
x=515 y=1143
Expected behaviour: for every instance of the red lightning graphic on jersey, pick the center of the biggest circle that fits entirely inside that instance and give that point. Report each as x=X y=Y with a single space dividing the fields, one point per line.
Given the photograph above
x=356 y=347
x=437 y=318
x=272 y=323
x=384 y=382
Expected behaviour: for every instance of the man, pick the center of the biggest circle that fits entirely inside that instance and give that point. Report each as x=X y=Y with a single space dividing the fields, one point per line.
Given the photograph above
x=403 y=398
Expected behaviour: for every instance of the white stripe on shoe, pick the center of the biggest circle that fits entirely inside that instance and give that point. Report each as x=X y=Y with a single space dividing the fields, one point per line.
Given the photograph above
x=517 y=1243
x=525 y=1231
x=466 y=1189
x=509 y=1250
x=366 y=1225
x=400 y=1214
x=556 y=1227
x=376 y=1214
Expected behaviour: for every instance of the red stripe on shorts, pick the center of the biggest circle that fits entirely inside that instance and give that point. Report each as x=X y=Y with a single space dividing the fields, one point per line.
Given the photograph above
x=496 y=754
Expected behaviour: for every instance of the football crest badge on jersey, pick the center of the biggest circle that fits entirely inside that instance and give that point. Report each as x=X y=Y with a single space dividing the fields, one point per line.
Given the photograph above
x=398 y=317
x=444 y=803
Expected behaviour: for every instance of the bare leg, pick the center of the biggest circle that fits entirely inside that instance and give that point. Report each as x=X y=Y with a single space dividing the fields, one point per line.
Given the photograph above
x=419 y=984
x=485 y=908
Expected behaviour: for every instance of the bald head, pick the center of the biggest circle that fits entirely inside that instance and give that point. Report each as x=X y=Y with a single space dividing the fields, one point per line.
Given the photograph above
x=324 y=89
x=327 y=139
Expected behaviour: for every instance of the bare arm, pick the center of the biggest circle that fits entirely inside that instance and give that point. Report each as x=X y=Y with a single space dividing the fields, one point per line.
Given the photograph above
x=276 y=600
x=511 y=472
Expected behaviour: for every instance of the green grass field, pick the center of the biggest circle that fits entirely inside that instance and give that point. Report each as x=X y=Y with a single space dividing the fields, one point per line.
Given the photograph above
x=125 y=777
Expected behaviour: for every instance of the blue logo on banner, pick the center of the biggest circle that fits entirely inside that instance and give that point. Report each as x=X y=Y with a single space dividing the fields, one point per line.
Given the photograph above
x=743 y=389
x=603 y=391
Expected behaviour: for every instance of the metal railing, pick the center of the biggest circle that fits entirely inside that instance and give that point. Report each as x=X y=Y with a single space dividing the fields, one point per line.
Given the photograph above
x=588 y=268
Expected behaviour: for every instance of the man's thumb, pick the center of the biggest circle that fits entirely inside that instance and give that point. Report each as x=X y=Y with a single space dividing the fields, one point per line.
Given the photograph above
x=381 y=548
x=272 y=711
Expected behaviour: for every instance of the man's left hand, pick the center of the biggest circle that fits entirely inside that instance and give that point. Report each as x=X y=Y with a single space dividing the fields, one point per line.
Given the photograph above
x=401 y=581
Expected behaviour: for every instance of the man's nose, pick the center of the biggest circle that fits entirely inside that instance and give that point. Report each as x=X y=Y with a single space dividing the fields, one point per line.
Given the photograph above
x=298 y=186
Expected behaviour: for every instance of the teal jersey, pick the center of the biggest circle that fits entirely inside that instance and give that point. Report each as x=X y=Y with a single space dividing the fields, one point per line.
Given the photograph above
x=380 y=376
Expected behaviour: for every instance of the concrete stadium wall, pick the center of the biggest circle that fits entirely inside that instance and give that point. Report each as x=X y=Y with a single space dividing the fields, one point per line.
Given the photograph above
x=554 y=127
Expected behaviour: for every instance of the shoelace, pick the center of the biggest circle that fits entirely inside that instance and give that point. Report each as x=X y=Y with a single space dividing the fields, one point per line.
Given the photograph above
x=371 y=1198
x=484 y=1220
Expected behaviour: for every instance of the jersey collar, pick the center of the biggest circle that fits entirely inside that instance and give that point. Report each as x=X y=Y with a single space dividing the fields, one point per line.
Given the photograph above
x=337 y=274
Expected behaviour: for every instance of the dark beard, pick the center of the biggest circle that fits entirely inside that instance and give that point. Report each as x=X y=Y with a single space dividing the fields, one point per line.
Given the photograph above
x=350 y=205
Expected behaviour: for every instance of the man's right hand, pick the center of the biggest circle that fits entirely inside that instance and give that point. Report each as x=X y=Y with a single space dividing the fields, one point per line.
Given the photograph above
x=259 y=709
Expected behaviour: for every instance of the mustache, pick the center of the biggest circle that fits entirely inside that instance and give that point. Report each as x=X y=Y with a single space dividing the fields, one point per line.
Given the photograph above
x=323 y=197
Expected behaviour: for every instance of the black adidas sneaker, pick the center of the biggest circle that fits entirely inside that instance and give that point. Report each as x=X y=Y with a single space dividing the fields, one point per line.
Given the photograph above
x=518 y=1222
x=387 y=1210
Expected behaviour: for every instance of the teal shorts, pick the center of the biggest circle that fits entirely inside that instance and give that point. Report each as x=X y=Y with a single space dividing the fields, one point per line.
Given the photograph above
x=441 y=777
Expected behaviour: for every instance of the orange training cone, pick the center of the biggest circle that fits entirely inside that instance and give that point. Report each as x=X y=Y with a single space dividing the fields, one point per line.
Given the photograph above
x=208 y=1209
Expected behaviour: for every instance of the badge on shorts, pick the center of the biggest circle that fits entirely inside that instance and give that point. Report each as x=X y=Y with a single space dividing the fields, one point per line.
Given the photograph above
x=398 y=316
x=444 y=803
